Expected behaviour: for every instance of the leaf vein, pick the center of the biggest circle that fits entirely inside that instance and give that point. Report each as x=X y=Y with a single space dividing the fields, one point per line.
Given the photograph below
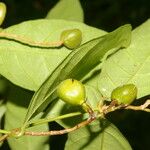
x=138 y=69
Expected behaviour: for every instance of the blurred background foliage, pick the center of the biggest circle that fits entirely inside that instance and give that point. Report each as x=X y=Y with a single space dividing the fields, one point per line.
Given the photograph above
x=106 y=15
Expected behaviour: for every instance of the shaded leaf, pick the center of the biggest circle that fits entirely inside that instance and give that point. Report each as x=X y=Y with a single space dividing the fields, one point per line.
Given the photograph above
x=130 y=65
x=76 y=65
x=28 y=66
x=2 y=111
x=3 y=86
x=97 y=136
x=18 y=100
x=68 y=10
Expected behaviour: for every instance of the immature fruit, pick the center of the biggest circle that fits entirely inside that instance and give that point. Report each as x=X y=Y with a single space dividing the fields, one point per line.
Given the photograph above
x=125 y=94
x=2 y=12
x=71 y=38
x=71 y=91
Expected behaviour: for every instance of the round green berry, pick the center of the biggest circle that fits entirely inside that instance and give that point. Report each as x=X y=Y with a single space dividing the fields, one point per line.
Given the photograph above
x=71 y=91
x=71 y=38
x=2 y=12
x=125 y=94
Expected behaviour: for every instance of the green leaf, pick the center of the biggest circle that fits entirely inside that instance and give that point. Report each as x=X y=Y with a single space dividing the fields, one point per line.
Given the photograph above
x=97 y=136
x=2 y=111
x=76 y=65
x=18 y=100
x=68 y=10
x=130 y=65
x=27 y=65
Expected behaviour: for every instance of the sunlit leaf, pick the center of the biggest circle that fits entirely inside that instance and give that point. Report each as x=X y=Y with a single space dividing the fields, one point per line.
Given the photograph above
x=130 y=65
x=76 y=65
x=27 y=65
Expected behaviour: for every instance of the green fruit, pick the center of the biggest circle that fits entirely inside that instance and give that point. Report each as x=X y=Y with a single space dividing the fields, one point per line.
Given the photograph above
x=71 y=91
x=71 y=38
x=125 y=94
x=2 y=12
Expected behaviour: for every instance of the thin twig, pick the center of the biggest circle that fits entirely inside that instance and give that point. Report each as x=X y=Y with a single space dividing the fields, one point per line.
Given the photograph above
x=2 y=138
x=91 y=118
x=137 y=108
x=105 y=109
x=146 y=104
x=28 y=41
x=141 y=107
x=64 y=131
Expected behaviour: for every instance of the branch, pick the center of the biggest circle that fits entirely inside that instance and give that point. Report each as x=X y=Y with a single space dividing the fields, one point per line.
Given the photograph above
x=19 y=132
x=143 y=107
x=64 y=131
x=105 y=109
x=29 y=41
x=91 y=118
x=2 y=138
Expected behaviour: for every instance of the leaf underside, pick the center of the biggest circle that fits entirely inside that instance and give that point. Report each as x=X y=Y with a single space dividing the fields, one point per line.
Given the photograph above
x=97 y=136
x=130 y=65
x=16 y=106
x=77 y=65
x=28 y=66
